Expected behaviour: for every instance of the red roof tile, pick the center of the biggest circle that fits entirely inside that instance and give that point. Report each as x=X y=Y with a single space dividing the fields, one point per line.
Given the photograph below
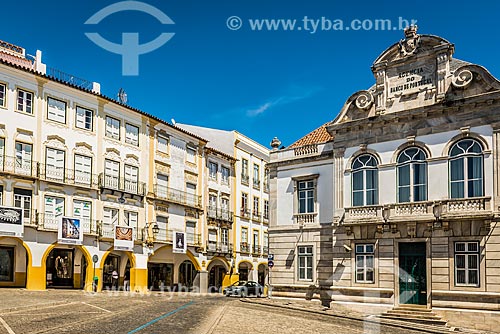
x=320 y=135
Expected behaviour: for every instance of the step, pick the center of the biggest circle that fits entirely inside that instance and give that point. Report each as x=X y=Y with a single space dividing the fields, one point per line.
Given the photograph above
x=397 y=311
x=412 y=307
x=413 y=316
x=428 y=328
x=427 y=321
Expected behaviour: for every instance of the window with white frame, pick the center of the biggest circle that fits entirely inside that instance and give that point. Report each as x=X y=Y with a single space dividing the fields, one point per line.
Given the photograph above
x=22 y=199
x=305 y=195
x=24 y=153
x=467 y=263
x=56 y=110
x=162 y=222
x=54 y=164
x=364 y=180
x=191 y=232
x=212 y=203
x=162 y=185
x=466 y=169
x=163 y=144
x=191 y=154
x=83 y=211
x=256 y=206
x=132 y=134
x=364 y=263
x=3 y=91
x=83 y=169
x=110 y=216
x=130 y=218
x=256 y=174
x=265 y=242
x=84 y=118
x=412 y=175
x=24 y=101
x=266 y=209
x=131 y=178
x=53 y=211
x=212 y=170
x=112 y=128
x=305 y=263
x=111 y=173
x=225 y=174
x=244 y=169
x=244 y=203
x=224 y=236
x=244 y=235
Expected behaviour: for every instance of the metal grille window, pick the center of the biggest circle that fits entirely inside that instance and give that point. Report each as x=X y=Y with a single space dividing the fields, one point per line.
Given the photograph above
x=306 y=196
x=466 y=169
x=364 y=263
x=131 y=134
x=84 y=118
x=2 y=95
x=56 y=110
x=112 y=128
x=305 y=259
x=364 y=181
x=24 y=101
x=467 y=263
x=412 y=175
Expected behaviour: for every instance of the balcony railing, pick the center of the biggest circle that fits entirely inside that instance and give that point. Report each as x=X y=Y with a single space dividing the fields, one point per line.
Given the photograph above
x=364 y=214
x=244 y=247
x=305 y=218
x=417 y=211
x=177 y=196
x=219 y=214
x=256 y=249
x=256 y=184
x=107 y=231
x=50 y=222
x=265 y=250
x=69 y=78
x=68 y=176
x=166 y=236
x=245 y=179
x=219 y=247
x=466 y=207
x=122 y=184
x=266 y=186
x=245 y=213
x=17 y=166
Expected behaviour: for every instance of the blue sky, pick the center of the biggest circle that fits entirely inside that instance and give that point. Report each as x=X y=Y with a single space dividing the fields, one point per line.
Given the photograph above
x=261 y=83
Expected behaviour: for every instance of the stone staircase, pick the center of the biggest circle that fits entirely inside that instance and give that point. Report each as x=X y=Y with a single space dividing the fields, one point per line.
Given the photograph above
x=420 y=316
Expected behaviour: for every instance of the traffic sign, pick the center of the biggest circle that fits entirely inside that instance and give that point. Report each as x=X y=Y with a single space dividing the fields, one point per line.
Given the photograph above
x=270 y=264
x=270 y=257
x=95 y=258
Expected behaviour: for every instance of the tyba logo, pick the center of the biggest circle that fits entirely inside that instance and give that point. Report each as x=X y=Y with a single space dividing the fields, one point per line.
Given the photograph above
x=130 y=49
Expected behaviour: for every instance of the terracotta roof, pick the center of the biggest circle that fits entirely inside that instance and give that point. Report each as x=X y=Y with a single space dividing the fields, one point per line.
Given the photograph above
x=320 y=135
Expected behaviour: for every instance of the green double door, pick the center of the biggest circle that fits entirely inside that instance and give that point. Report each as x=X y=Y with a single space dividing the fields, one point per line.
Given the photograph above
x=412 y=273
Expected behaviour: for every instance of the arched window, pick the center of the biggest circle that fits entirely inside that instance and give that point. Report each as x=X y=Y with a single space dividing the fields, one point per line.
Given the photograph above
x=364 y=180
x=412 y=175
x=466 y=169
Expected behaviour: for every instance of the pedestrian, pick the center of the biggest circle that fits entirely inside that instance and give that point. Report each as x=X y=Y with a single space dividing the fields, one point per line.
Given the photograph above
x=126 y=281
x=114 y=282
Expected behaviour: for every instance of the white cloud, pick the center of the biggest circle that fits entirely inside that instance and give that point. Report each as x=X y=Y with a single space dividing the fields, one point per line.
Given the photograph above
x=279 y=101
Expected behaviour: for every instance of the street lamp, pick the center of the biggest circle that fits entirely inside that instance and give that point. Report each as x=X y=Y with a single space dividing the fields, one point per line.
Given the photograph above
x=155 y=229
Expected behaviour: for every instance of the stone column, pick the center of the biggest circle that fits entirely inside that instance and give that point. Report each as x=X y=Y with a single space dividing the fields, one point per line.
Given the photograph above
x=338 y=182
x=203 y=281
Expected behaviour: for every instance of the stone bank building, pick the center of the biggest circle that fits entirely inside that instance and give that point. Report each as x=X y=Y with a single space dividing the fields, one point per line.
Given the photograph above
x=396 y=201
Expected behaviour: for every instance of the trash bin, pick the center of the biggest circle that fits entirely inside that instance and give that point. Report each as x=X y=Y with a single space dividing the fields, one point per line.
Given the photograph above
x=96 y=283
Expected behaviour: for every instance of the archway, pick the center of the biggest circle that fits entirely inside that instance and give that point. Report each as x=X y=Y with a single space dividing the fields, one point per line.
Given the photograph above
x=66 y=266
x=217 y=268
x=115 y=267
x=244 y=269
x=262 y=274
x=187 y=275
x=15 y=258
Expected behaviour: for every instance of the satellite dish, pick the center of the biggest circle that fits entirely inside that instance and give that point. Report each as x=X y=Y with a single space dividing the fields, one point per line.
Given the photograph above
x=122 y=96
x=173 y=121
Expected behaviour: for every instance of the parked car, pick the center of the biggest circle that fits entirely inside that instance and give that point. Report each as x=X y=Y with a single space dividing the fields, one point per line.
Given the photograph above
x=244 y=289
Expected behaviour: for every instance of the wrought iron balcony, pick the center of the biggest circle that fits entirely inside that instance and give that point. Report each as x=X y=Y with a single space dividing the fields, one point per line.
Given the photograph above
x=177 y=196
x=245 y=179
x=69 y=78
x=17 y=166
x=68 y=176
x=245 y=213
x=244 y=247
x=256 y=249
x=266 y=186
x=219 y=247
x=107 y=231
x=256 y=184
x=214 y=213
x=125 y=185
x=265 y=250
x=50 y=222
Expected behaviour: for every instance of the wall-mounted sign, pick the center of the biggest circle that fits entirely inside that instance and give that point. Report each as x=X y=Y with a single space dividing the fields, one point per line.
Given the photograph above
x=124 y=238
x=70 y=231
x=179 y=239
x=11 y=221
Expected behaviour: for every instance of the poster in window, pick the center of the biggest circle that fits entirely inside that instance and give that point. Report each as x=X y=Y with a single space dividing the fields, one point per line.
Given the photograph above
x=70 y=231
x=124 y=238
x=11 y=221
x=179 y=242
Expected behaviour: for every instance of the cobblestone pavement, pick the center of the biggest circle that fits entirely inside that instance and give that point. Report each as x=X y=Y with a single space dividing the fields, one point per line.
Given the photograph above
x=70 y=311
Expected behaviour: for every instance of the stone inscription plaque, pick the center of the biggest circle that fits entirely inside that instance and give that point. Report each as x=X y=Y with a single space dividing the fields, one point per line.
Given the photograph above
x=410 y=78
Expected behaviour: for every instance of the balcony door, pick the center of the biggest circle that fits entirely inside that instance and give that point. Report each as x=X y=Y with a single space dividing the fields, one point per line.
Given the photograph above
x=111 y=174
x=83 y=169
x=24 y=155
x=412 y=273
x=83 y=211
x=54 y=162
x=131 y=178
